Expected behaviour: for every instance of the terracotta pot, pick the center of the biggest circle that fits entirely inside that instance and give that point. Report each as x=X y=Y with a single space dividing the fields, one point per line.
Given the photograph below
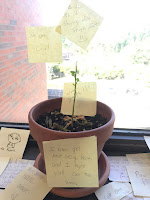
x=40 y=133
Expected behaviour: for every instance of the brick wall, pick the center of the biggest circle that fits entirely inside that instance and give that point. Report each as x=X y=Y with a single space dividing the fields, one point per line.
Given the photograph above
x=22 y=84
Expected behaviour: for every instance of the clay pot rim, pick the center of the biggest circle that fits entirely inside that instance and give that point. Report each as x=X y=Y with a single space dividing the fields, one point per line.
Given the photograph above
x=30 y=116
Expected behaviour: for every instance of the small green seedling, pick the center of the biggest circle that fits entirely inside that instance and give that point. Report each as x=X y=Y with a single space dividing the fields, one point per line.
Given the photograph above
x=76 y=80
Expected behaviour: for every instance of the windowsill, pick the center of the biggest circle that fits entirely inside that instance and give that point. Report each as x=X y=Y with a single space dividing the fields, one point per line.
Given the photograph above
x=122 y=142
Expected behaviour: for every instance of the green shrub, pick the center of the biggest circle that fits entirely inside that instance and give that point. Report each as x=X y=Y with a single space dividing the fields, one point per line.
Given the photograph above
x=55 y=72
x=111 y=74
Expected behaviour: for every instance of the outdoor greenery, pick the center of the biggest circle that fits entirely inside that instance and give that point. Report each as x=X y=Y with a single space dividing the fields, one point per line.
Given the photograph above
x=129 y=57
x=111 y=74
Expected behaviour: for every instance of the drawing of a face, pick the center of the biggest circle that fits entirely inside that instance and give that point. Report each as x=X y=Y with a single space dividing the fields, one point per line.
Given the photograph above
x=14 y=138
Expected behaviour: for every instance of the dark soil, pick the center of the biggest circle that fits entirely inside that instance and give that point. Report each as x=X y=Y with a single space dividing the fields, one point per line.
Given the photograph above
x=57 y=121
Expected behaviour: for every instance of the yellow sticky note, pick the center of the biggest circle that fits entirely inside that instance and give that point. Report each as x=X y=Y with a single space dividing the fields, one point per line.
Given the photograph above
x=140 y=159
x=132 y=197
x=29 y=184
x=79 y=23
x=113 y=191
x=3 y=163
x=13 y=142
x=44 y=44
x=72 y=162
x=140 y=180
x=86 y=95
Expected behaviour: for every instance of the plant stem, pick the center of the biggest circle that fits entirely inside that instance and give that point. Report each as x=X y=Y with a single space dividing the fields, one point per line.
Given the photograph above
x=75 y=85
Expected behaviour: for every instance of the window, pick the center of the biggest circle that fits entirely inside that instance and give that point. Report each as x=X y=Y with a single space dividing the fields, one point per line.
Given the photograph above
x=118 y=59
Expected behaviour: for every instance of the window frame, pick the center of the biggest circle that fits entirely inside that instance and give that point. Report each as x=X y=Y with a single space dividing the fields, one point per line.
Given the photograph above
x=122 y=141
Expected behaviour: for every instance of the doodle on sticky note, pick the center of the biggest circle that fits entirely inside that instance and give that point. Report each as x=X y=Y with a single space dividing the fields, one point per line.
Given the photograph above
x=13 y=142
x=13 y=139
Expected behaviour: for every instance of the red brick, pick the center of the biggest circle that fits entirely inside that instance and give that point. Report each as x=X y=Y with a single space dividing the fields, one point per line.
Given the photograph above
x=8 y=39
x=2 y=58
x=14 y=16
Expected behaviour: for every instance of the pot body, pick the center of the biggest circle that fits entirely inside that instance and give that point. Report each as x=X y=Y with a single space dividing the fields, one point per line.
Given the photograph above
x=40 y=133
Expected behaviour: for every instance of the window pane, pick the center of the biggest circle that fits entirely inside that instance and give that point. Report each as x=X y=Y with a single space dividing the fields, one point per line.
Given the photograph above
x=118 y=59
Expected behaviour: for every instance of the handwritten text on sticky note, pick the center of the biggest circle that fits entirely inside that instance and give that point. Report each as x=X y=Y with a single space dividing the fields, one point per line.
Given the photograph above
x=140 y=180
x=80 y=23
x=113 y=191
x=72 y=162
x=13 y=142
x=118 y=170
x=140 y=159
x=86 y=95
x=13 y=168
x=29 y=184
x=44 y=44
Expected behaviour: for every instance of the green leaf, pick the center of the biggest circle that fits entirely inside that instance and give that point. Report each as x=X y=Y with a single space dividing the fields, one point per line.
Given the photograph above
x=72 y=73
x=77 y=79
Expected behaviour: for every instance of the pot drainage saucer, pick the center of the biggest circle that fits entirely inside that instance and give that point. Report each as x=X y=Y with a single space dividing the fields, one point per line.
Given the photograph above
x=103 y=171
